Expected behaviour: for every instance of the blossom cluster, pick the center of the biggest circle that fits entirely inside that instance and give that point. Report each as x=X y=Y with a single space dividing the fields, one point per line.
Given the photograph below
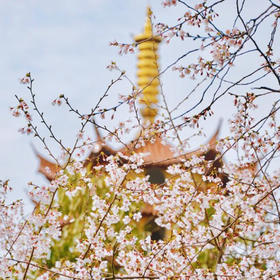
x=92 y=224
x=123 y=48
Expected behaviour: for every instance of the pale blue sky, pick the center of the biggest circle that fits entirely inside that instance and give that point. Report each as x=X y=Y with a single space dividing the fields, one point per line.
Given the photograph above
x=65 y=45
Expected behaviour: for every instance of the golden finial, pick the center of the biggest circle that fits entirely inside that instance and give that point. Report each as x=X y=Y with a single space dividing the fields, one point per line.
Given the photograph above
x=148 y=69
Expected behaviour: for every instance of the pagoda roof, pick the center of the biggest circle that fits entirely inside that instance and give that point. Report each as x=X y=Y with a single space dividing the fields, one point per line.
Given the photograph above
x=155 y=153
x=158 y=153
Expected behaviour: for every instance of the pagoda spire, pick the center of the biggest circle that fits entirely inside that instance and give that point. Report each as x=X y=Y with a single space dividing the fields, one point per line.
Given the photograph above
x=148 y=71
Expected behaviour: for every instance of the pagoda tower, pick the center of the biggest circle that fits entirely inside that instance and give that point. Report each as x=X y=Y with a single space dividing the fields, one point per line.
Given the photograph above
x=148 y=73
x=157 y=155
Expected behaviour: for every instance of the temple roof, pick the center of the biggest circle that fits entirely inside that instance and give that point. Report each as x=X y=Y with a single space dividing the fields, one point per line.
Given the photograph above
x=157 y=153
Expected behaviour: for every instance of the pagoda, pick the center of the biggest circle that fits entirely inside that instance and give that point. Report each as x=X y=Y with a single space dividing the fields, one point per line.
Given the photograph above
x=157 y=155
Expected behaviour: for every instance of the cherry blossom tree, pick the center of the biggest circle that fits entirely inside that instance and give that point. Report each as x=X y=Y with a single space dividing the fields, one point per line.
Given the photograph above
x=216 y=213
